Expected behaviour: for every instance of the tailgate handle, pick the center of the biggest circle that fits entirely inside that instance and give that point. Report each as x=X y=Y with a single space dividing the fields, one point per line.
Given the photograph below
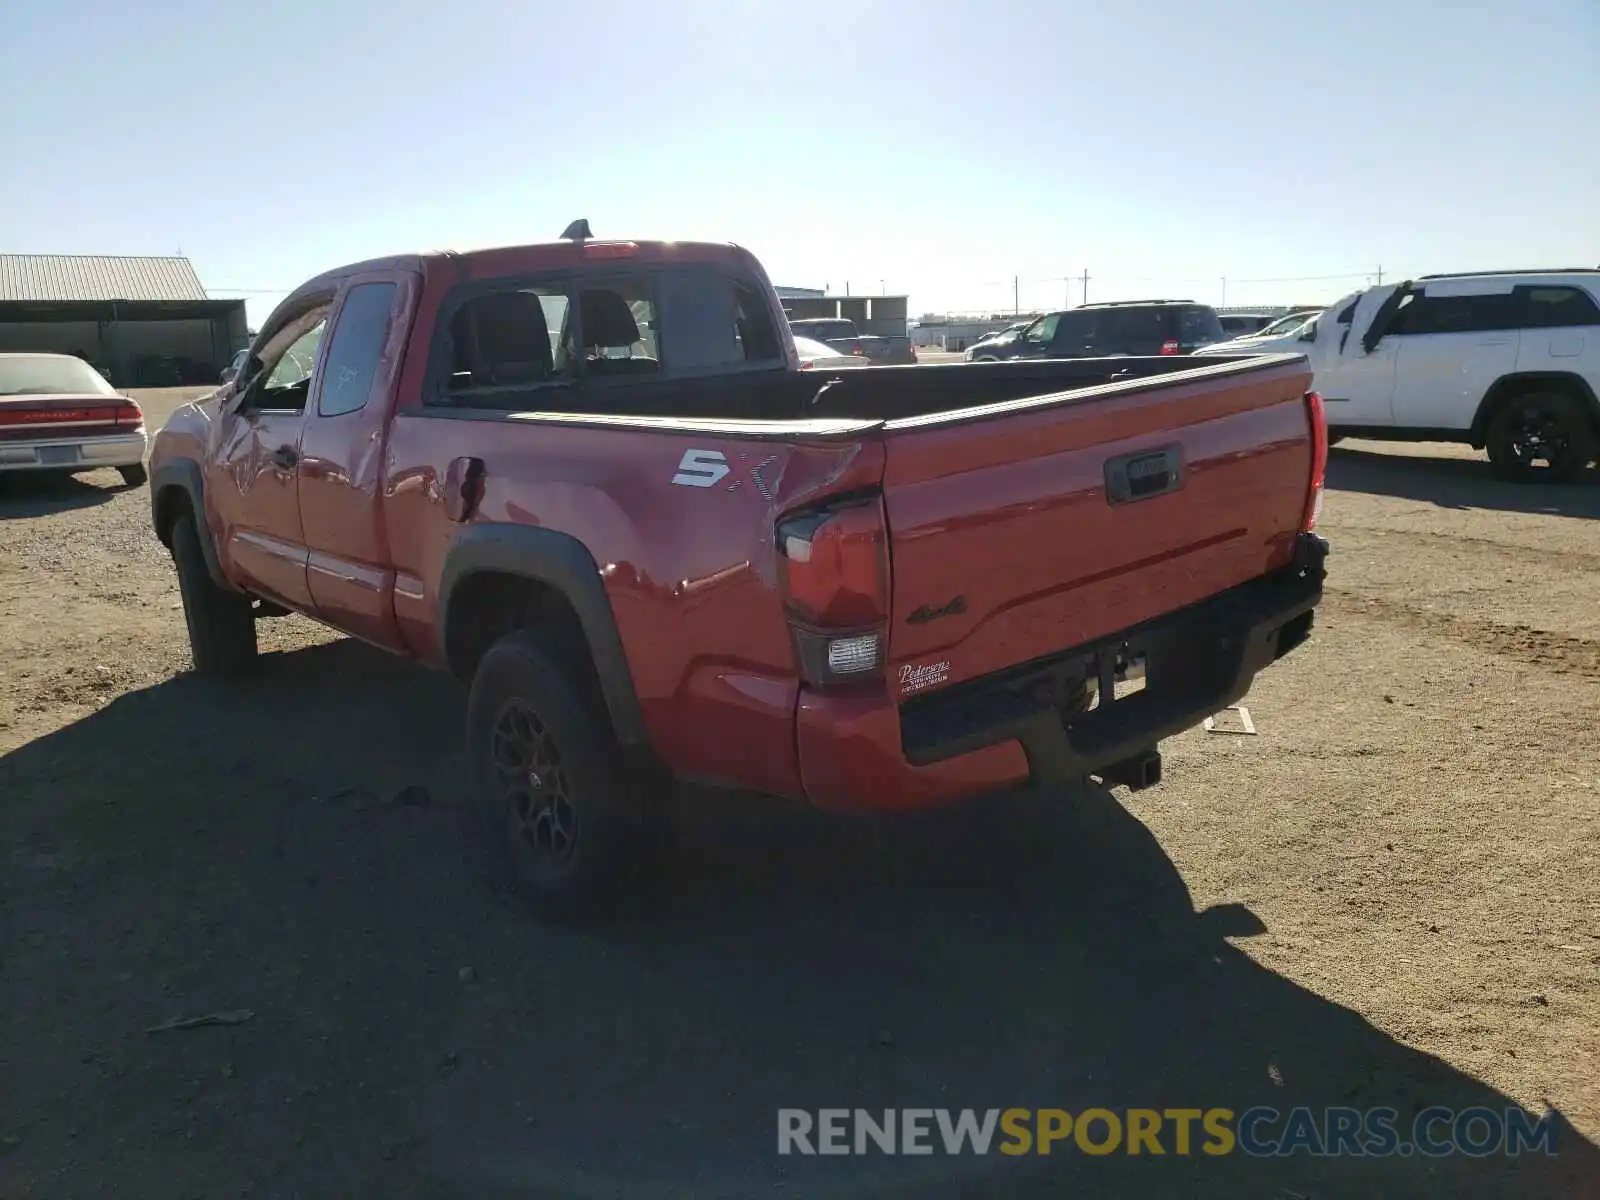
x=1131 y=477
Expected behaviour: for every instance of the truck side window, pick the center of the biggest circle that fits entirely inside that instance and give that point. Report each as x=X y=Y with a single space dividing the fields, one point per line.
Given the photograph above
x=517 y=337
x=355 y=349
x=285 y=379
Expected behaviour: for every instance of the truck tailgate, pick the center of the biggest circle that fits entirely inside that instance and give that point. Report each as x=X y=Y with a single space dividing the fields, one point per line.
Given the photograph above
x=1027 y=528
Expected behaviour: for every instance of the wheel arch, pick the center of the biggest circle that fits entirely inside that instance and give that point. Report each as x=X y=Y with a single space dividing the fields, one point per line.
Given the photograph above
x=1508 y=386
x=178 y=486
x=550 y=575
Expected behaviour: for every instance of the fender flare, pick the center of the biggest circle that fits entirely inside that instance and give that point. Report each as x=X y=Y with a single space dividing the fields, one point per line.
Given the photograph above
x=184 y=475
x=1516 y=381
x=561 y=561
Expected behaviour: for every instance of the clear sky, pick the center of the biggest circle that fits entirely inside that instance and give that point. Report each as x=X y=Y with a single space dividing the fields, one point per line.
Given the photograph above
x=937 y=148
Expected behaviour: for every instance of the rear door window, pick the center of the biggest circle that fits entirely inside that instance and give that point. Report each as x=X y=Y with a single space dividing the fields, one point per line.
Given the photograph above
x=1075 y=334
x=1198 y=326
x=1541 y=307
x=1134 y=330
x=1421 y=314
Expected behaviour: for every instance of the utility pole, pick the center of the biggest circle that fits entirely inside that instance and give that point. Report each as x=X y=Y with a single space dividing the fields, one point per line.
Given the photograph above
x=1016 y=294
x=883 y=288
x=1224 y=292
x=846 y=287
x=1085 y=299
x=1380 y=274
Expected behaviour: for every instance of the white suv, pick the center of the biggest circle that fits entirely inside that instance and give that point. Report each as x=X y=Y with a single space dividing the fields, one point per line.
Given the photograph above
x=1507 y=361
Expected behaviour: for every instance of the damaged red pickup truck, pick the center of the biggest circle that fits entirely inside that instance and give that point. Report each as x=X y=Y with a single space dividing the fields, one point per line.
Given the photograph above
x=590 y=478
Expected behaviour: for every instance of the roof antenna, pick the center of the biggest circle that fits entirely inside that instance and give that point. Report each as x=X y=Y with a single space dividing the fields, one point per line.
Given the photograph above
x=578 y=231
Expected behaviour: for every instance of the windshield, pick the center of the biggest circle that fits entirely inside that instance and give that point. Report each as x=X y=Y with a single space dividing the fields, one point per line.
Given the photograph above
x=50 y=375
x=1286 y=325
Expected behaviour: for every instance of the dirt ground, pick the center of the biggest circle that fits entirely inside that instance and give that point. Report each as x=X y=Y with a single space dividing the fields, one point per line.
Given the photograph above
x=1389 y=896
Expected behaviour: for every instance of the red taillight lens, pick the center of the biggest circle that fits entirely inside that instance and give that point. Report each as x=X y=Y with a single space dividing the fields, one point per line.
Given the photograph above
x=806 y=364
x=1319 y=460
x=124 y=412
x=833 y=565
x=1170 y=346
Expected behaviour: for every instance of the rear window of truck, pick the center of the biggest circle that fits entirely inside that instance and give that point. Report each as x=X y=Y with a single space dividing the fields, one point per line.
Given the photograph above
x=521 y=335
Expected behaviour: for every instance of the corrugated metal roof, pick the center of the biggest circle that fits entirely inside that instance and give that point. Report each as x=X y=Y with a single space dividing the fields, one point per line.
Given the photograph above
x=46 y=277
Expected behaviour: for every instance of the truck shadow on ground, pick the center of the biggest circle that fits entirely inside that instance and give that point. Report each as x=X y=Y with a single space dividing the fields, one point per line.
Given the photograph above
x=1457 y=483
x=297 y=845
x=41 y=493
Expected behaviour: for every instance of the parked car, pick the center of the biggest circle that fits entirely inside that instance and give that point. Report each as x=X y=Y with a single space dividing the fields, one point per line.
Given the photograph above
x=1010 y=330
x=815 y=356
x=1130 y=327
x=1287 y=324
x=1507 y=362
x=57 y=413
x=234 y=367
x=841 y=333
x=1242 y=324
x=653 y=567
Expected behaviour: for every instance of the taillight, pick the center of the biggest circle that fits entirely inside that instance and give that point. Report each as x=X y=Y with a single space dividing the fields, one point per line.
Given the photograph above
x=123 y=412
x=1319 y=460
x=833 y=566
x=1170 y=346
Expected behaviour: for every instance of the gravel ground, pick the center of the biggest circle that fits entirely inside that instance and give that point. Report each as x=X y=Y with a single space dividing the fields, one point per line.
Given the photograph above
x=1388 y=896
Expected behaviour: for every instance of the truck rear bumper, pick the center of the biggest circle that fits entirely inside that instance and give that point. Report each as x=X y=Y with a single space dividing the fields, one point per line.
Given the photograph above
x=1002 y=729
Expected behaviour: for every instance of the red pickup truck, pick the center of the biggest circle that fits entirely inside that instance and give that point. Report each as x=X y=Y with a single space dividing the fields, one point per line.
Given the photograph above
x=590 y=478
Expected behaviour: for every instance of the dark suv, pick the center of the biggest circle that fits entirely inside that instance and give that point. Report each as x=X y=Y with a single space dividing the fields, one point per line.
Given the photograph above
x=1140 y=327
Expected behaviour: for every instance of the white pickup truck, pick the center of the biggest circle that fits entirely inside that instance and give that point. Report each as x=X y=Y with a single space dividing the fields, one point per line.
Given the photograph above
x=1507 y=361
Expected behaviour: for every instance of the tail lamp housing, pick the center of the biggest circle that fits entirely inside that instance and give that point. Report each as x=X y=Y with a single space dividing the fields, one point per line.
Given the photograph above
x=122 y=412
x=1318 y=418
x=833 y=568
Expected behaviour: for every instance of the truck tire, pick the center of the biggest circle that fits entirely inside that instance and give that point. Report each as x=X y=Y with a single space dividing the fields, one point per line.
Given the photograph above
x=222 y=628
x=1551 y=428
x=545 y=773
x=134 y=476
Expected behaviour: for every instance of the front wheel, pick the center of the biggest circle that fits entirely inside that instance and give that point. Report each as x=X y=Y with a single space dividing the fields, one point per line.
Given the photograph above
x=1541 y=437
x=222 y=627
x=544 y=770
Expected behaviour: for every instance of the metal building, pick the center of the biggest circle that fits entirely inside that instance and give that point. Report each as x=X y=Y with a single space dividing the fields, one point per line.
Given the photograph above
x=143 y=322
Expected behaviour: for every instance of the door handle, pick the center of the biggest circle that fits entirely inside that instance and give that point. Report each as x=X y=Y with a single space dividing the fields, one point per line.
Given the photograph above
x=285 y=457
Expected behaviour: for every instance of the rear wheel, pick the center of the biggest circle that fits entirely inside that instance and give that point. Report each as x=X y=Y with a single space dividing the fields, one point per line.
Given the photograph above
x=546 y=775
x=222 y=627
x=1541 y=437
x=134 y=476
